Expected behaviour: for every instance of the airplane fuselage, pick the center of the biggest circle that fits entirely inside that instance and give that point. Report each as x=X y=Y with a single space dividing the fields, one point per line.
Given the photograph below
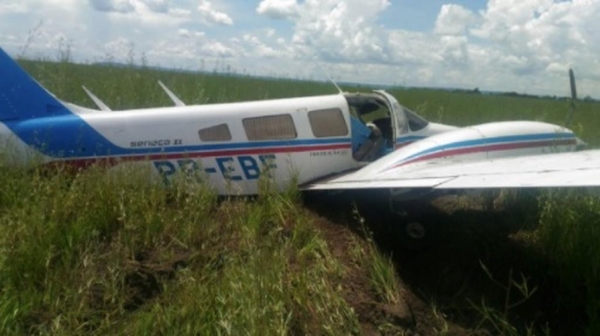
x=232 y=145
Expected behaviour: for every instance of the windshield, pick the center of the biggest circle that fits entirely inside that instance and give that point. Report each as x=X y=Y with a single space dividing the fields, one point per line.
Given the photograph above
x=415 y=121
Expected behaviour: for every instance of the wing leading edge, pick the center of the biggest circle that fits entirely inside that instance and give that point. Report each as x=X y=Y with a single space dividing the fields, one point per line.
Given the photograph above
x=574 y=169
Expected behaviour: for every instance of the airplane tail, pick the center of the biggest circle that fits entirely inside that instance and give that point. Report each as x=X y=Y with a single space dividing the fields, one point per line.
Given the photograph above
x=21 y=97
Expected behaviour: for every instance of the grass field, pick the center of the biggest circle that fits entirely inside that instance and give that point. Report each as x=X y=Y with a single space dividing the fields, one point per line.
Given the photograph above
x=99 y=254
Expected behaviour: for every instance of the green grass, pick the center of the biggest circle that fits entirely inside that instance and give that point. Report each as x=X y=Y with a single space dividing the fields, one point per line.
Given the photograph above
x=115 y=254
x=126 y=87
x=380 y=268
x=569 y=236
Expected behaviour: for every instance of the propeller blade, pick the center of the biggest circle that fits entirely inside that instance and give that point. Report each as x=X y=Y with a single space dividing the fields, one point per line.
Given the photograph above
x=573 y=87
x=573 y=98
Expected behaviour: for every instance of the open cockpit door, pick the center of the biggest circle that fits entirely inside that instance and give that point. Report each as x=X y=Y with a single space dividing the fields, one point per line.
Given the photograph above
x=380 y=125
x=399 y=121
x=371 y=126
x=408 y=126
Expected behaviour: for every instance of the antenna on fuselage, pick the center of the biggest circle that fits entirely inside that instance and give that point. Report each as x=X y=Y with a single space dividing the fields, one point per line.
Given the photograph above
x=96 y=100
x=330 y=79
x=573 y=98
x=173 y=97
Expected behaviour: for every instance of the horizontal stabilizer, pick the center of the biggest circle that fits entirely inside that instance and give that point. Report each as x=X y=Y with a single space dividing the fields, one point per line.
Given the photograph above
x=96 y=100
x=173 y=97
x=21 y=97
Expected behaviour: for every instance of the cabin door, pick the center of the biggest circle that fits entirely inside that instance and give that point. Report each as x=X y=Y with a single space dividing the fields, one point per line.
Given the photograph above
x=399 y=120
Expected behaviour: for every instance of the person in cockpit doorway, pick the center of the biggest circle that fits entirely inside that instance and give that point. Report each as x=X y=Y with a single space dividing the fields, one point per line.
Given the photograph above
x=367 y=140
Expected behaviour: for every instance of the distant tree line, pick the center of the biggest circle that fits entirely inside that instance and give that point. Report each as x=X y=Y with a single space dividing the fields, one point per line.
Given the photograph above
x=476 y=91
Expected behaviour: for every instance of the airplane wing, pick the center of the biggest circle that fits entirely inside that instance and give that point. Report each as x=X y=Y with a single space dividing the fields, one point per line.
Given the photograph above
x=573 y=169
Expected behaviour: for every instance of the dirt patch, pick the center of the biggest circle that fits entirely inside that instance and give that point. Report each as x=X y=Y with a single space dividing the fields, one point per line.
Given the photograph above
x=357 y=292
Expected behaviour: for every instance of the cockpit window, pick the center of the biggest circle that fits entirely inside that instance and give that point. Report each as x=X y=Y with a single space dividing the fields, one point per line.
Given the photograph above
x=415 y=122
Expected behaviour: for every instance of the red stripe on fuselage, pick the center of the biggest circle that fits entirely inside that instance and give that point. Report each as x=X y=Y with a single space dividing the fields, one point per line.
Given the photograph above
x=490 y=148
x=114 y=160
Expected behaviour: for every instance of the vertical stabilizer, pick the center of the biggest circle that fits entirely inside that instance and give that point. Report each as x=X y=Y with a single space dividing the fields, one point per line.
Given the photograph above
x=21 y=97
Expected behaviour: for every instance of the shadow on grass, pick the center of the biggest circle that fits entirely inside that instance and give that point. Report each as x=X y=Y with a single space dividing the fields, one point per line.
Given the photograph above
x=477 y=257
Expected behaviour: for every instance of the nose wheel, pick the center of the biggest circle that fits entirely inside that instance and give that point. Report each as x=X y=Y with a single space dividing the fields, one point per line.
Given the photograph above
x=415 y=224
x=415 y=230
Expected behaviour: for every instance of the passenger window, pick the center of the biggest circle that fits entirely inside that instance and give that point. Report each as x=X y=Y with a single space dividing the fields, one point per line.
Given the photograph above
x=216 y=133
x=327 y=123
x=270 y=127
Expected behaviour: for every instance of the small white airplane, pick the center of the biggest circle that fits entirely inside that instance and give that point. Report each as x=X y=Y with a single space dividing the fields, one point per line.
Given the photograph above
x=346 y=141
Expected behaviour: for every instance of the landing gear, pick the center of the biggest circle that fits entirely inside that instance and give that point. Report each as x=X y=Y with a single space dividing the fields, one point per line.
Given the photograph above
x=411 y=233
x=415 y=230
x=416 y=224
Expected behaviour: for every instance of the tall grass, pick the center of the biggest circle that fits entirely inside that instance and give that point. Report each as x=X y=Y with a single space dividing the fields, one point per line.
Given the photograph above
x=380 y=268
x=569 y=236
x=130 y=87
x=98 y=254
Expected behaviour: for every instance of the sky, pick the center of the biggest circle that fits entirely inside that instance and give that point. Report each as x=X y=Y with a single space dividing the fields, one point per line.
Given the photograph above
x=525 y=46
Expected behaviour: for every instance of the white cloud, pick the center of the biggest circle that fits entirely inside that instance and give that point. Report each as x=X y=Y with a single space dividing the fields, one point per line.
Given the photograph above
x=142 y=11
x=523 y=45
x=278 y=9
x=8 y=7
x=180 y=12
x=336 y=30
x=120 y=6
x=455 y=51
x=532 y=35
x=189 y=34
x=453 y=20
x=258 y=48
x=161 y=6
x=503 y=17
x=210 y=15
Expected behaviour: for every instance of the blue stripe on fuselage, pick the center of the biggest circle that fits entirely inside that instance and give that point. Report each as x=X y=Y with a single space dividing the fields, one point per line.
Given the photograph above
x=69 y=136
x=495 y=140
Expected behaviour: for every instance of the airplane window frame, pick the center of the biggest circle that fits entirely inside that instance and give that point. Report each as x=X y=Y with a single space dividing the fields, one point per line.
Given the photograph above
x=270 y=127
x=216 y=133
x=326 y=127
